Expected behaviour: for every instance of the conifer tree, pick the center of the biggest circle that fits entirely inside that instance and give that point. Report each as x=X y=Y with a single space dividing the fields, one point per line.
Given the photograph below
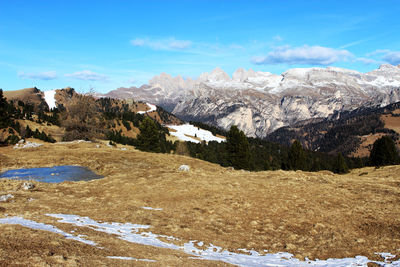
x=384 y=152
x=238 y=149
x=5 y=120
x=340 y=165
x=149 y=137
x=297 y=158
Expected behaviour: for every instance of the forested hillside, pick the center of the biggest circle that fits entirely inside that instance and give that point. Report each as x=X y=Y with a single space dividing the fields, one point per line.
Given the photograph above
x=341 y=133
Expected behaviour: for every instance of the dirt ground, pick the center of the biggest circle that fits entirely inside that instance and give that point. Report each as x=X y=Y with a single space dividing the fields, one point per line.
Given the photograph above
x=315 y=215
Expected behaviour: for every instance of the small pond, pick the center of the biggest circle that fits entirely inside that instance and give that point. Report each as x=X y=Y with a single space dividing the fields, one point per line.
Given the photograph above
x=55 y=174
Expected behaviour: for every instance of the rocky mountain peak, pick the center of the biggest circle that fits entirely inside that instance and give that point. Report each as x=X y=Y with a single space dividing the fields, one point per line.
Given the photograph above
x=261 y=102
x=216 y=75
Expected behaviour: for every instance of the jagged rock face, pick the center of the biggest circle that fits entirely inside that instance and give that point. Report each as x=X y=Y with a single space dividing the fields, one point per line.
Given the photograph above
x=261 y=102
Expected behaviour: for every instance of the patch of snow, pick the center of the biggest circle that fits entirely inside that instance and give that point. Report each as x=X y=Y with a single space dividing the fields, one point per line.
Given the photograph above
x=184 y=168
x=182 y=132
x=74 y=142
x=129 y=258
x=150 y=208
x=130 y=232
x=27 y=144
x=152 y=108
x=125 y=231
x=44 y=227
x=386 y=256
x=50 y=99
x=4 y=198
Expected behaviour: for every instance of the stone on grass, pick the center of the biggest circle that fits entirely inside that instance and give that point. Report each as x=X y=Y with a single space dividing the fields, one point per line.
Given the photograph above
x=4 y=198
x=28 y=186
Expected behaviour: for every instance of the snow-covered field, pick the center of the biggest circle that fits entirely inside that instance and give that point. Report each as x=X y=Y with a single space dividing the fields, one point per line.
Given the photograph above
x=183 y=132
x=152 y=108
x=135 y=233
x=50 y=99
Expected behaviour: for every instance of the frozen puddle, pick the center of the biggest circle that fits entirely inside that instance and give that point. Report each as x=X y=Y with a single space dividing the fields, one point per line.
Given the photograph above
x=135 y=233
x=56 y=174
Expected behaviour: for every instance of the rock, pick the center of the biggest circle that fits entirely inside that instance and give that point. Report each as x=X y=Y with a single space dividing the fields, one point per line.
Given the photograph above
x=184 y=168
x=4 y=198
x=28 y=186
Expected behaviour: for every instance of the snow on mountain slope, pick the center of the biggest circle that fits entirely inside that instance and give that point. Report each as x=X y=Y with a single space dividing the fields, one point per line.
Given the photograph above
x=50 y=99
x=261 y=102
x=152 y=108
x=186 y=132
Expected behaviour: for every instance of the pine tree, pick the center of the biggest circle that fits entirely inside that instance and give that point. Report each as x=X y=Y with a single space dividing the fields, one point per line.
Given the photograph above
x=340 y=165
x=149 y=137
x=297 y=157
x=5 y=119
x=384 y=152
x=238 y=149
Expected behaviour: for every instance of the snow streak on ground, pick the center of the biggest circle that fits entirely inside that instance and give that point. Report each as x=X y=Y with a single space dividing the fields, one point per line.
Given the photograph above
x=45 y=227
x=150 y=208
x=49 y=98
x=27 y=144
x=135 y=233
x=129 y=259
x=183 y=132
x=152 y=108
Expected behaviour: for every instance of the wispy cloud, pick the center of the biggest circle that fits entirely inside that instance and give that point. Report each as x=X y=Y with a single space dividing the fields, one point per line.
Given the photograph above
x=162 y=44
x=308 y=55
x=368 y=61
x=353 y=43
x=87 y=75
x=392 y=57
x=46 y=75
x=277 y=38
x=386 y=55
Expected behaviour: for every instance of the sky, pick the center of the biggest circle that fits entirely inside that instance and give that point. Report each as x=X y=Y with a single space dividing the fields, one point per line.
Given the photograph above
x=105 y=45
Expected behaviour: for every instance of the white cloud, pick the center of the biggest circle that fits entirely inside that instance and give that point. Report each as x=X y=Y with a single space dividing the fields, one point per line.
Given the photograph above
x=87 y=75
x=392 y=57
x=309 y=55
x=386 y=55
x=162 y=44
x=46 y=75
x=277 y=38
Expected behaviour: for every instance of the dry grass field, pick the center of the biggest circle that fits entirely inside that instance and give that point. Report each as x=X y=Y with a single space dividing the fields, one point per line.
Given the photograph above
x=315 y=215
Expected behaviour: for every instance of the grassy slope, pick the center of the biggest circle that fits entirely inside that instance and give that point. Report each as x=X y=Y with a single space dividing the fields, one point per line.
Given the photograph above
x=315 y=215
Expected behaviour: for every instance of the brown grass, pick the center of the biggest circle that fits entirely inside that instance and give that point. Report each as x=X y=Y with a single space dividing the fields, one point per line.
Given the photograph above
x=391 y=122
x=315 y=215
x=364 y=149
x=28 y=95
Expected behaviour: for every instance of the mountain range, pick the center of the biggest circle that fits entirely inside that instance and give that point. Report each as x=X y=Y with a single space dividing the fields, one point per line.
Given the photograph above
x=261 y=102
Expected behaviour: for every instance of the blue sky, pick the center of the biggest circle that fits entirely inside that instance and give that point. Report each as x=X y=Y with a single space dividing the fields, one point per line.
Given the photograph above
x=109 y=44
